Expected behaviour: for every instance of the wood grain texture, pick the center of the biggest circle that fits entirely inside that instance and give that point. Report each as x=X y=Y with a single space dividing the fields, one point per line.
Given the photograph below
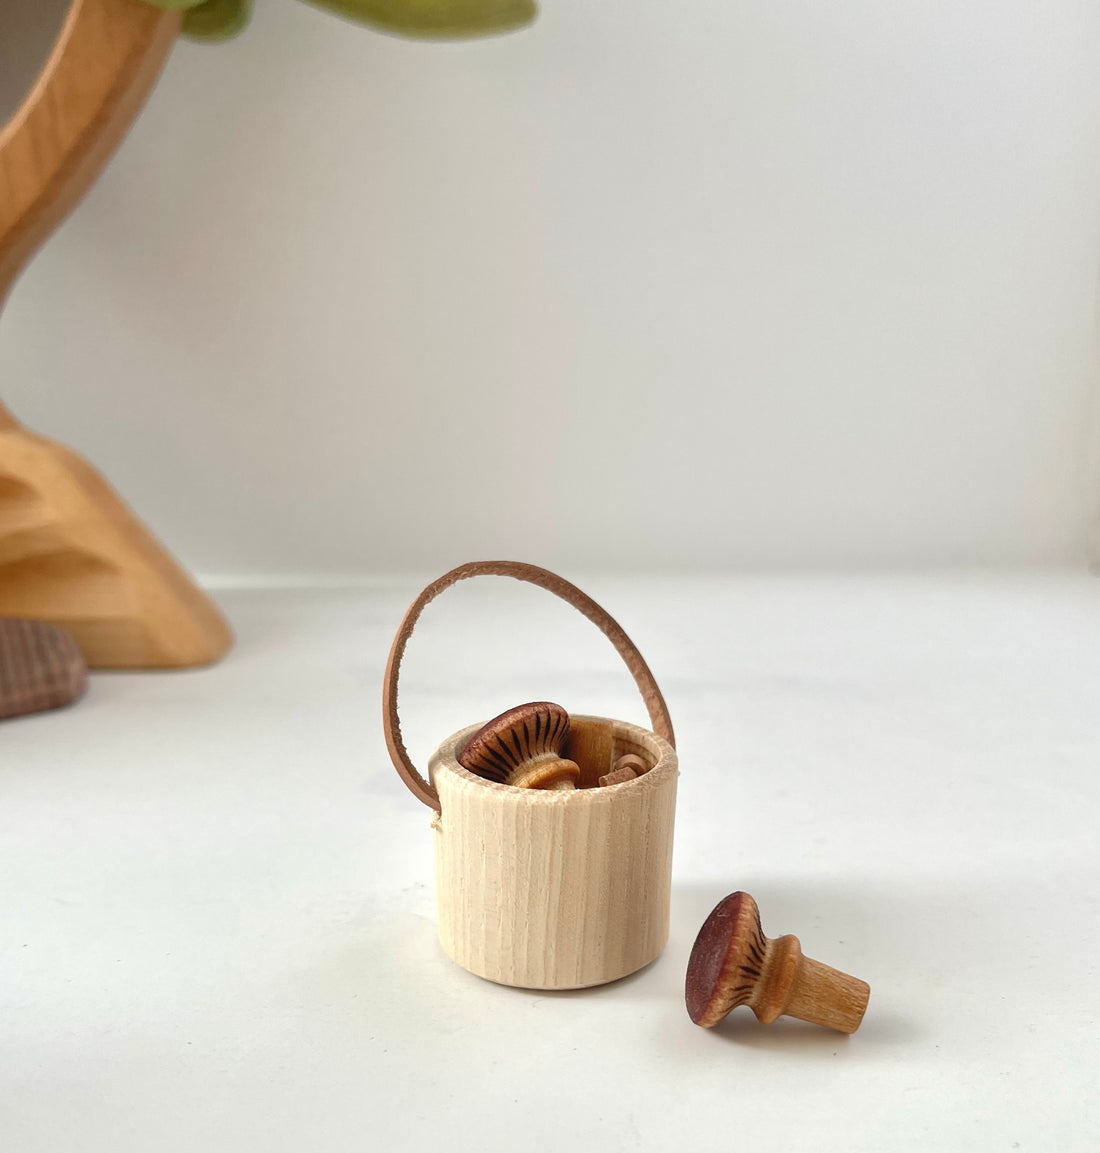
x=106 y=59
x=40 y=668
x=733 y=963
x=557 y=889
x=522 y=747
x=73 y=554
x=70 y=551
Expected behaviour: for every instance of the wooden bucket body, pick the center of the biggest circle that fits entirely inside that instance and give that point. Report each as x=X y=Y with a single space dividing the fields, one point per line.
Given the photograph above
x=557 y=890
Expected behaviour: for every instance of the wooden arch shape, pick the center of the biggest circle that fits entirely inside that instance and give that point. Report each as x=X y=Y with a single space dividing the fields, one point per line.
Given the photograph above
x=71 y=552
x=106 y=59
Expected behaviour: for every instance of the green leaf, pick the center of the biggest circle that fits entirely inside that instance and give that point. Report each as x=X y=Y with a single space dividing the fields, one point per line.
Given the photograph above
x=436 y=19
x=174 y=5
x=213 y=20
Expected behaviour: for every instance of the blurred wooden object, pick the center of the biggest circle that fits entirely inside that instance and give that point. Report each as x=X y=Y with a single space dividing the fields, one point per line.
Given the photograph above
x=40 y=668
x=106 y=60
x=71 y=552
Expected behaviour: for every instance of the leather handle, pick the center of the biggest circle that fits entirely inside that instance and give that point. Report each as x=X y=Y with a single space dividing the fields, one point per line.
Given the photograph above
x=532 y=574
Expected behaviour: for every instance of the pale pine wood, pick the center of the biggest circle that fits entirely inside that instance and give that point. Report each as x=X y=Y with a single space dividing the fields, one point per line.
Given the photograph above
x=550 y=889
x=733 y=963
x=73 y=554
x=106 y=59
x=70 y=551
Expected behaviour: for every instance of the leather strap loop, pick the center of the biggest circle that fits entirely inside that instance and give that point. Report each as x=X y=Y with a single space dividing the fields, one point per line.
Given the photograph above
x=532 y=574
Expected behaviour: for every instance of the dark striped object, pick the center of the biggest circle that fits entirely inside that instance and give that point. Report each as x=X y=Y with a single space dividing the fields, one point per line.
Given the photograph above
x=41 y=667
x=503 y=747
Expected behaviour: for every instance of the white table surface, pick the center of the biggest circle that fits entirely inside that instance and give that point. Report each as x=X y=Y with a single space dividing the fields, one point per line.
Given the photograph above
x=218 y=921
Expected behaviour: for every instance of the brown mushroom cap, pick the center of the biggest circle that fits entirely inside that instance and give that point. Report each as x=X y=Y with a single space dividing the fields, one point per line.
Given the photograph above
x=726 y=960
x=41 y=667
x=500 y=748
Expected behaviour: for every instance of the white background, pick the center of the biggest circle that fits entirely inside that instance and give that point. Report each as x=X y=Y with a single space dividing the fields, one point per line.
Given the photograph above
x=644 y=285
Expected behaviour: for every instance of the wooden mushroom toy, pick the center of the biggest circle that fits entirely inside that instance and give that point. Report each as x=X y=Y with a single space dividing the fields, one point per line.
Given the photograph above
x=522 y=747
x=40 y=668
x=627 y=768
x=733 y=963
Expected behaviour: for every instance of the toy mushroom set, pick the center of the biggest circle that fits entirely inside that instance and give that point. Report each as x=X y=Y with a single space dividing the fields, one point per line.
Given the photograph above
x=553 y=849
x=522 y=747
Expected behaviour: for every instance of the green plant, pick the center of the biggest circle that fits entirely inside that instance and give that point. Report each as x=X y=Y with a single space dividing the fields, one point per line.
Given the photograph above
x=212 y=20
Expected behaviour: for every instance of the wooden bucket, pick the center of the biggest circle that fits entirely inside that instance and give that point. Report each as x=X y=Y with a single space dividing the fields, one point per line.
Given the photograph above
x=545 y=889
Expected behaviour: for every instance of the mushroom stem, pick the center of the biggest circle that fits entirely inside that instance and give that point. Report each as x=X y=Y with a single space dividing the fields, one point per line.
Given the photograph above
x=794 y=985
x=826 y=996
x=547 y=773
